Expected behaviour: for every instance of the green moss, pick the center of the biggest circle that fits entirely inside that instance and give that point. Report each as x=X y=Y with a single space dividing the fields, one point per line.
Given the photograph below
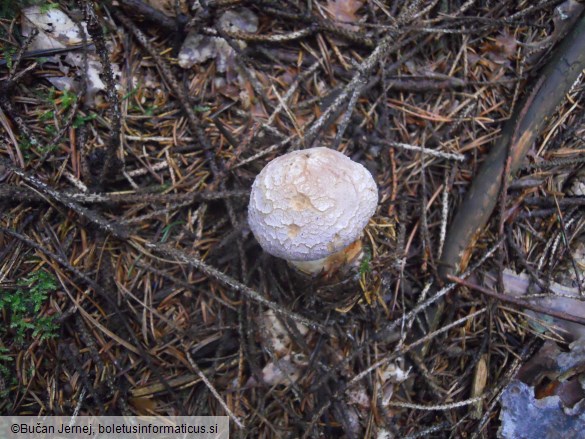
x=23 y=305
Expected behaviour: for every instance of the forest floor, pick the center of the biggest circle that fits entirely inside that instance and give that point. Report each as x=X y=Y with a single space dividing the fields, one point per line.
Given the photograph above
x=130 y=283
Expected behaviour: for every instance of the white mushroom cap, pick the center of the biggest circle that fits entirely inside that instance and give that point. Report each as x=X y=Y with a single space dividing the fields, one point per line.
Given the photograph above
x=309 y=204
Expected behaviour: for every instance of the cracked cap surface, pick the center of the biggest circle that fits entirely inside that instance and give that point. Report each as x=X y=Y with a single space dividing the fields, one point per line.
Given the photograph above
x=309 y=204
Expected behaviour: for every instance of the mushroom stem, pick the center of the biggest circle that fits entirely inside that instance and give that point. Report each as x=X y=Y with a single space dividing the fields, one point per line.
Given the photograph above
x=343 y=261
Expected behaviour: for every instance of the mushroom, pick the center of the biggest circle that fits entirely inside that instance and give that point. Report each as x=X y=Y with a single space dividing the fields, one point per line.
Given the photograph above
x=310 y=208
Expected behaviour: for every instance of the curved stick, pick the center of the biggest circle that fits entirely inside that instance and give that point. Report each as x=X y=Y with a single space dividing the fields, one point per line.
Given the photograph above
x=519 y=133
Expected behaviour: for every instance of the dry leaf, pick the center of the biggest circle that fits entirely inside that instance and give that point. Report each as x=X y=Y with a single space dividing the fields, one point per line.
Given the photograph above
x=501 y=50
x=275 y=334
x=344 y=11
x=283 y=371
x=167 y=7
x=143 y=405
x=479 y=382
x=198 y=48
x=547 y=396
x=57 y=31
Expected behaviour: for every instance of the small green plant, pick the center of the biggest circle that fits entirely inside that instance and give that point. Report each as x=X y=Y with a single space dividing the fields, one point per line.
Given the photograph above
x=24 y=304
x=149 y=110
x=8 y=52
x=46 y=7
x=365 y=267
x=4 y=371
x=167 y=230
x=131 y=93
x=25 y=147
x=60 y=104
x=47 y=115
x=51 y=131
x=68 y=98
x=9 y=9
x=47 y=149
x=81 y=120
x=6 y=374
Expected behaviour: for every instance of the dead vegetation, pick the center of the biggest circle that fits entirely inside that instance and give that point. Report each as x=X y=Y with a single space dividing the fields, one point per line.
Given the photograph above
x=129 y=188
